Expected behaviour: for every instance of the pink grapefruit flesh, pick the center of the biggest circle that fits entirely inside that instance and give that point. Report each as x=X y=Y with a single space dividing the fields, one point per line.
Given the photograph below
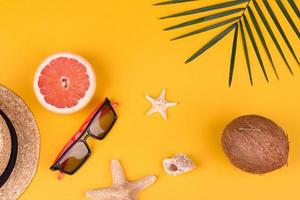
x=64 y=83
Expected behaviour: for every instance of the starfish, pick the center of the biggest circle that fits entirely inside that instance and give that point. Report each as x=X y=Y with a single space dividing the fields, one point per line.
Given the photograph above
x=160 y=104
x=121 y=188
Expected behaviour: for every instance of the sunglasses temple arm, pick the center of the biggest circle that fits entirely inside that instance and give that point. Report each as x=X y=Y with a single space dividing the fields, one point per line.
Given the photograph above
x=115 y=104
x=60 y=175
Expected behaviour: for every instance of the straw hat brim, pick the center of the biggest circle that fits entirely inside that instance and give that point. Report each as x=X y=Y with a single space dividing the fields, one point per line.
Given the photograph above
x=5 y=145
x=28 y=144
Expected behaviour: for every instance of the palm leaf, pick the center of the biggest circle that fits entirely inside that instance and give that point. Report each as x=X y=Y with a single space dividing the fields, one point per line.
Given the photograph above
x=251 y=36
x=212 y=42
x=280 y=29
x=294 y=7
x=288 y=17
x=206 y=18
x=246 y=52
x=240 y=24
x=207 y=28
x=207 y=8
x=233 y=54
x=173 y=2
x=262 y=39
x=271 y=33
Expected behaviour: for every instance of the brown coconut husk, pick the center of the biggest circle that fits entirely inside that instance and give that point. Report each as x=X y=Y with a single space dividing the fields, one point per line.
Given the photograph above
x=255 y=144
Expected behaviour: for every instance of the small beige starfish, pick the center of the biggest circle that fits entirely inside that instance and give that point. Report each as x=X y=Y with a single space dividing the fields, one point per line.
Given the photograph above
x=160 y=104
x=121 y=188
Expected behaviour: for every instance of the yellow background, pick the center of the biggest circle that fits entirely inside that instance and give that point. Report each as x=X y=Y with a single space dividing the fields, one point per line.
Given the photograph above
x=132 y=57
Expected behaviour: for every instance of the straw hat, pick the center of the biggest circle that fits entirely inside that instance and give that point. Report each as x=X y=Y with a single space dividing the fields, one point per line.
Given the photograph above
x=19 y=145
x=5 y=145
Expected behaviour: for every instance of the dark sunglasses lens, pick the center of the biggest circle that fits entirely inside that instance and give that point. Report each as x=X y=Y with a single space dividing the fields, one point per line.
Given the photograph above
x=74 y=157
x=102 y=122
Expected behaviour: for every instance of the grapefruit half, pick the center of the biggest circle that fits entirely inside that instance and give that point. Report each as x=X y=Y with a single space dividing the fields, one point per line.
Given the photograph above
x=64 y=83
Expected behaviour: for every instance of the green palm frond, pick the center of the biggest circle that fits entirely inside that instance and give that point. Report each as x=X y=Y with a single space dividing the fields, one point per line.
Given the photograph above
x=207 y=28
x=207 y=8
x=250 y=33
x=212 y=42
x=246 y=52
x=271 y=33
x=262 y=39
x=173 y=2
x=294 y=7
x=288 y=17
x=206 y=18
x=280 y=29
x=233 y=54
x=241 y=14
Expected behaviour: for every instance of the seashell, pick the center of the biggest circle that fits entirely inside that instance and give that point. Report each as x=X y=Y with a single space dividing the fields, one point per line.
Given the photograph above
x=178 y=164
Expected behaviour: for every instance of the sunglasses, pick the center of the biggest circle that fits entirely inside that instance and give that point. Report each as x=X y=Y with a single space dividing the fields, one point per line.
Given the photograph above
x=77 y=150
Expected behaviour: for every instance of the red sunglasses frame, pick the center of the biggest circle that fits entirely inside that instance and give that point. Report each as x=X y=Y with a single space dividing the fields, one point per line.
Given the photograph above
x=81 y=132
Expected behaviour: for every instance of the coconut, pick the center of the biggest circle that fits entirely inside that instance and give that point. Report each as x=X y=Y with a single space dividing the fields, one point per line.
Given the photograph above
x=255 y=144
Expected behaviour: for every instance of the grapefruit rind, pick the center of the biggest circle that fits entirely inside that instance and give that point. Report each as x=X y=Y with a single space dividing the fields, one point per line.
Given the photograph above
x=83 y=101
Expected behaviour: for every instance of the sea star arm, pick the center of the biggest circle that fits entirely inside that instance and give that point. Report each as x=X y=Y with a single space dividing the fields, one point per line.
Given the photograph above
x=121 y=188
x=142 y=183
x=151 y=111
x=103 y=194
x=170 y=104
x=163 y=94
x=164 y=114
x=151 y=99
x=117 y=173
